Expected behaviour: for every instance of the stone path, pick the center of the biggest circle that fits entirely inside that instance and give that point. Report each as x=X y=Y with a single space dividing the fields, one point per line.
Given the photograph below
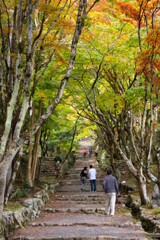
x=75 y=215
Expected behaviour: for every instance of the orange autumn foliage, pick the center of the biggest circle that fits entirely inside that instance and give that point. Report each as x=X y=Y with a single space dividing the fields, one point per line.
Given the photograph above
x=128 y=10
x=102 y=6
x=157 y=64
x=153 y=37
x=132 y=21
x=88 y=37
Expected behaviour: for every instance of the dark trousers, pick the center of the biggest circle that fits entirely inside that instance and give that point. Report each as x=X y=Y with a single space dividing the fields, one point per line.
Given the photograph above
x=93 y=185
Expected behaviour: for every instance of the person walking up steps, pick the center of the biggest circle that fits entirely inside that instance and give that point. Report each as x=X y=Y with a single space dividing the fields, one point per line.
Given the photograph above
x=83 y=176
x=92 y=176
x=90 y=152
x=110 y=186
x=84 y=151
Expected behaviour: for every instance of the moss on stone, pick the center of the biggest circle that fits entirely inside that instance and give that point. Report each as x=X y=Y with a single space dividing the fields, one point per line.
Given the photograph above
x=156 y=211
x=12 y=206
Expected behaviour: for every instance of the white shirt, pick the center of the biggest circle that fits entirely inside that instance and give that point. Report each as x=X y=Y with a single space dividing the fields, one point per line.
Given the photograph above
x=92 y=173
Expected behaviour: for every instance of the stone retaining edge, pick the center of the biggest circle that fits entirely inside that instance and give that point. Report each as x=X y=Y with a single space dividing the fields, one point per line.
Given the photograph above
x=149 y=223
x=30 y=210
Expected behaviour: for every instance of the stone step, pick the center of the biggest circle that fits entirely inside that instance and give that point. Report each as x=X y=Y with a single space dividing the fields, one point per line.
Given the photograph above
x=78 y=181
x=107 y=235
x=78 y=171
x=86 y=202
x=82 y=201
x=93 y=219
x=77 y=188
x=77 y=177
x=87 y=210
x=81 y=197
x=75 y=226
x=87 y=163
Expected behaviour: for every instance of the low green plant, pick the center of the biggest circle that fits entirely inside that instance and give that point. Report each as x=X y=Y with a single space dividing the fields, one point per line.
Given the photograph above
x=19 y=193
x=149 y=205
x=48 y=180
x=25 y=184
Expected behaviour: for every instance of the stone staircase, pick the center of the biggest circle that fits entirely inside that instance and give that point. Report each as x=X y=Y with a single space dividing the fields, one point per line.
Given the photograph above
x=74 y=215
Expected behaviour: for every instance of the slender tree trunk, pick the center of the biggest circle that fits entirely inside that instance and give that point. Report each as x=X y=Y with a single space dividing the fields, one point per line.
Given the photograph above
x=3 y=174
x=71 y=146
x=143 y=190
x=4 y=166
x=139 y=177
x=9 y=188
x=30 y=152
x=29 y=169
x=36 y=145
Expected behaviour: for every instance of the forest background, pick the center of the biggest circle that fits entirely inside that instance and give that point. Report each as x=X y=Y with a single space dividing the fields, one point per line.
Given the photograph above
x=69 y=69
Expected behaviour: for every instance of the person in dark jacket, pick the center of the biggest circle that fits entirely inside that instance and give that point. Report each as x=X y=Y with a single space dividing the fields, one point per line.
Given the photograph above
x=83 y=176
x=111 y=188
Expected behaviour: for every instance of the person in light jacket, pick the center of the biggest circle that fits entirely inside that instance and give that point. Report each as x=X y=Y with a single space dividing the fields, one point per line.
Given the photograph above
x=92 y=176
x=111 y=188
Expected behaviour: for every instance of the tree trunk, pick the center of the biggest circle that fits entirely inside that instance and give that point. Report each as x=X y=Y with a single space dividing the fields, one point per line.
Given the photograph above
x=143 y=190
x=4 y=166
x=139 y=177
x=29 y=169
x=3 y=174
x=11 y=181
x=30 y=153
x=36 y=144
x=71 y=146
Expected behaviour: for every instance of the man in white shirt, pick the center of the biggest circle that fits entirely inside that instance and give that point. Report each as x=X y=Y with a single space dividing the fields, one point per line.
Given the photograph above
x=92 y=177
